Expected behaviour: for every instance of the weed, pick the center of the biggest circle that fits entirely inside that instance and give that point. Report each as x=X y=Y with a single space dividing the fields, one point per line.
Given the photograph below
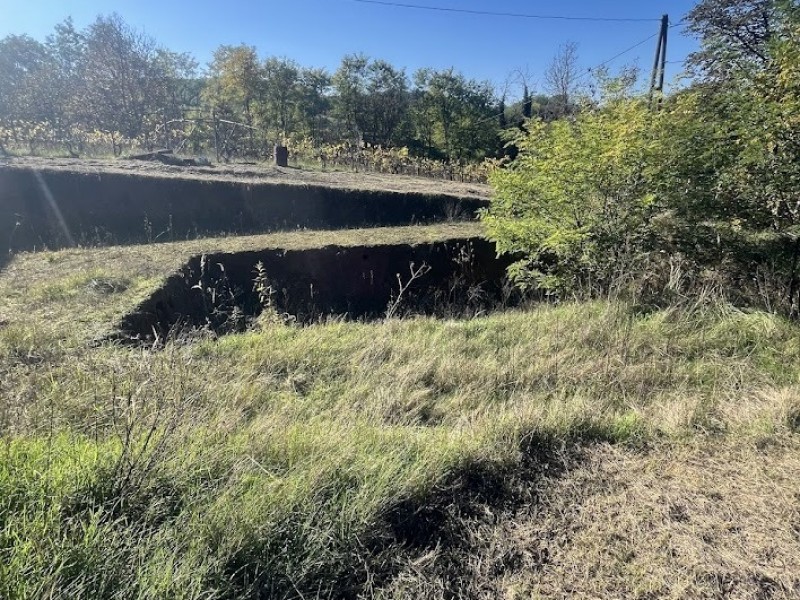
x=395 y=302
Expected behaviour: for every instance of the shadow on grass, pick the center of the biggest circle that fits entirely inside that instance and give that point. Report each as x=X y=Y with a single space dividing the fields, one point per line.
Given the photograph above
x=407 y=531
x=435 y=523
x=434 y=535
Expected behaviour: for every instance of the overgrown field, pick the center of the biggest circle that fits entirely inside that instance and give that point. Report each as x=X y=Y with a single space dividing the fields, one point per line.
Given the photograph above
x=584 y=450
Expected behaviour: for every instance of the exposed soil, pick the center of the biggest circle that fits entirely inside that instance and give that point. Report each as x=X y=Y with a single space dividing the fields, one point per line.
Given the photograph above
x=50 y=288
x=53 y=205
x=460 y=276
x=249 y=173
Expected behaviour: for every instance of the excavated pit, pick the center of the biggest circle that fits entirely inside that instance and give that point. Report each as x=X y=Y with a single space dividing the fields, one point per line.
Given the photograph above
x=459 y=277
x=55 y=209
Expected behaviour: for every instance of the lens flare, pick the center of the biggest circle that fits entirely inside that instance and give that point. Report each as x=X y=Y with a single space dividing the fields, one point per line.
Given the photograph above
x=54 y=207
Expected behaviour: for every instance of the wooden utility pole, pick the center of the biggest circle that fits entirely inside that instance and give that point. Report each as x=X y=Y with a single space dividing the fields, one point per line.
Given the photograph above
x=216 y=132
x=660 y=62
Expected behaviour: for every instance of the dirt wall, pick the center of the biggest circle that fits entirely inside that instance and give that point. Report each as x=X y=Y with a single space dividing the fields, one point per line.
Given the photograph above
x=54 y=209
x=459 y=276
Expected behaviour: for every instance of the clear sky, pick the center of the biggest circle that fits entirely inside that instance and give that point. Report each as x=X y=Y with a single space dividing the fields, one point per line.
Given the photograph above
x=320 y=32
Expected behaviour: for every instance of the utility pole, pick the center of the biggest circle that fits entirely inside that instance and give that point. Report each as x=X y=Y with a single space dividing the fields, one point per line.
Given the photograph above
x=660 y=63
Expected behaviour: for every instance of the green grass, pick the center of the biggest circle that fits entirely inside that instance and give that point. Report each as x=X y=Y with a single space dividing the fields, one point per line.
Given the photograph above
x=299 y=462
x=48 y=292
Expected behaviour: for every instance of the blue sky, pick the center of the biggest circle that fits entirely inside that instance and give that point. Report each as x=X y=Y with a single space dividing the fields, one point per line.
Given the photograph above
x=320 y=32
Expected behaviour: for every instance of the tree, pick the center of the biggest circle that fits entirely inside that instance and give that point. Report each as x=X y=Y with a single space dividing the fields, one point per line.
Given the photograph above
x=110 y=80
x=734 y=35
x=709 y=180
x=23 y=98
x=21 y=60
x=313 y=103
x=121 y=75
x=371 y=100
x=730 y=148
x=422 y=120
x=176 y=93
x=455 y=114
x=234 y=91
x=107 y=78
x=66 y=50
x=561 y=76
x=577 y=198
x=386 y=103
x=349 y=84
x=751 y=98
x=527 y=103
x=281 y=95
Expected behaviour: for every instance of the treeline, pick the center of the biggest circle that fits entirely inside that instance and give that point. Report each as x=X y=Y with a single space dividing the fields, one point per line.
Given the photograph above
x=109 y=85
x=107 y=82
x=674 y=197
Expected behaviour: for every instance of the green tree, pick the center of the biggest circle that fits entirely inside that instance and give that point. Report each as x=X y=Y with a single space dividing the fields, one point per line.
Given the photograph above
x=350 y=91
x=176 y=93
x=710 y=178
x=527 y=103
x=26 y=98
x=62 y=78
x=22 y=59
x=235 y=93
x=371 y=99
x=281 y=95
x=386 y=103
x=577 y=200
x=734 y=35
x=313 y=103
x=454 y=115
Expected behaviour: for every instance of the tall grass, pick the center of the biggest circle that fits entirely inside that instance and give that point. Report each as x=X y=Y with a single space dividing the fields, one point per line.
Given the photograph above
x=305 y=461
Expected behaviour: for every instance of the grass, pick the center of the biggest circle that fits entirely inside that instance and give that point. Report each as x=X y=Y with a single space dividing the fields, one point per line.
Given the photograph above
x=586 y=449
x=98 y=286
x=705 y=518
x=267 y=173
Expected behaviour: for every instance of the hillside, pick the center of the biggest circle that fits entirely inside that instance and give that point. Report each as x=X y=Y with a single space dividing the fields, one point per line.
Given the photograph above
x=583 y=450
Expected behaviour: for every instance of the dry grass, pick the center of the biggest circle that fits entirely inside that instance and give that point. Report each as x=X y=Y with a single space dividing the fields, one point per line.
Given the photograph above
x=584 y=450
x=704 y=519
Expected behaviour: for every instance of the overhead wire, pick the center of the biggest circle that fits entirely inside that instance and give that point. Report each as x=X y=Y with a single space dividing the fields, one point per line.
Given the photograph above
x=619 y=55
x=490 y=13
x=588 y=72
x=584 y=74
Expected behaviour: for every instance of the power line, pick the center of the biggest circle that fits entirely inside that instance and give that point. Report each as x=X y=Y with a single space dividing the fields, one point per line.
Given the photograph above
x=586 y=73
x=623 y=53
x=489 y=13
